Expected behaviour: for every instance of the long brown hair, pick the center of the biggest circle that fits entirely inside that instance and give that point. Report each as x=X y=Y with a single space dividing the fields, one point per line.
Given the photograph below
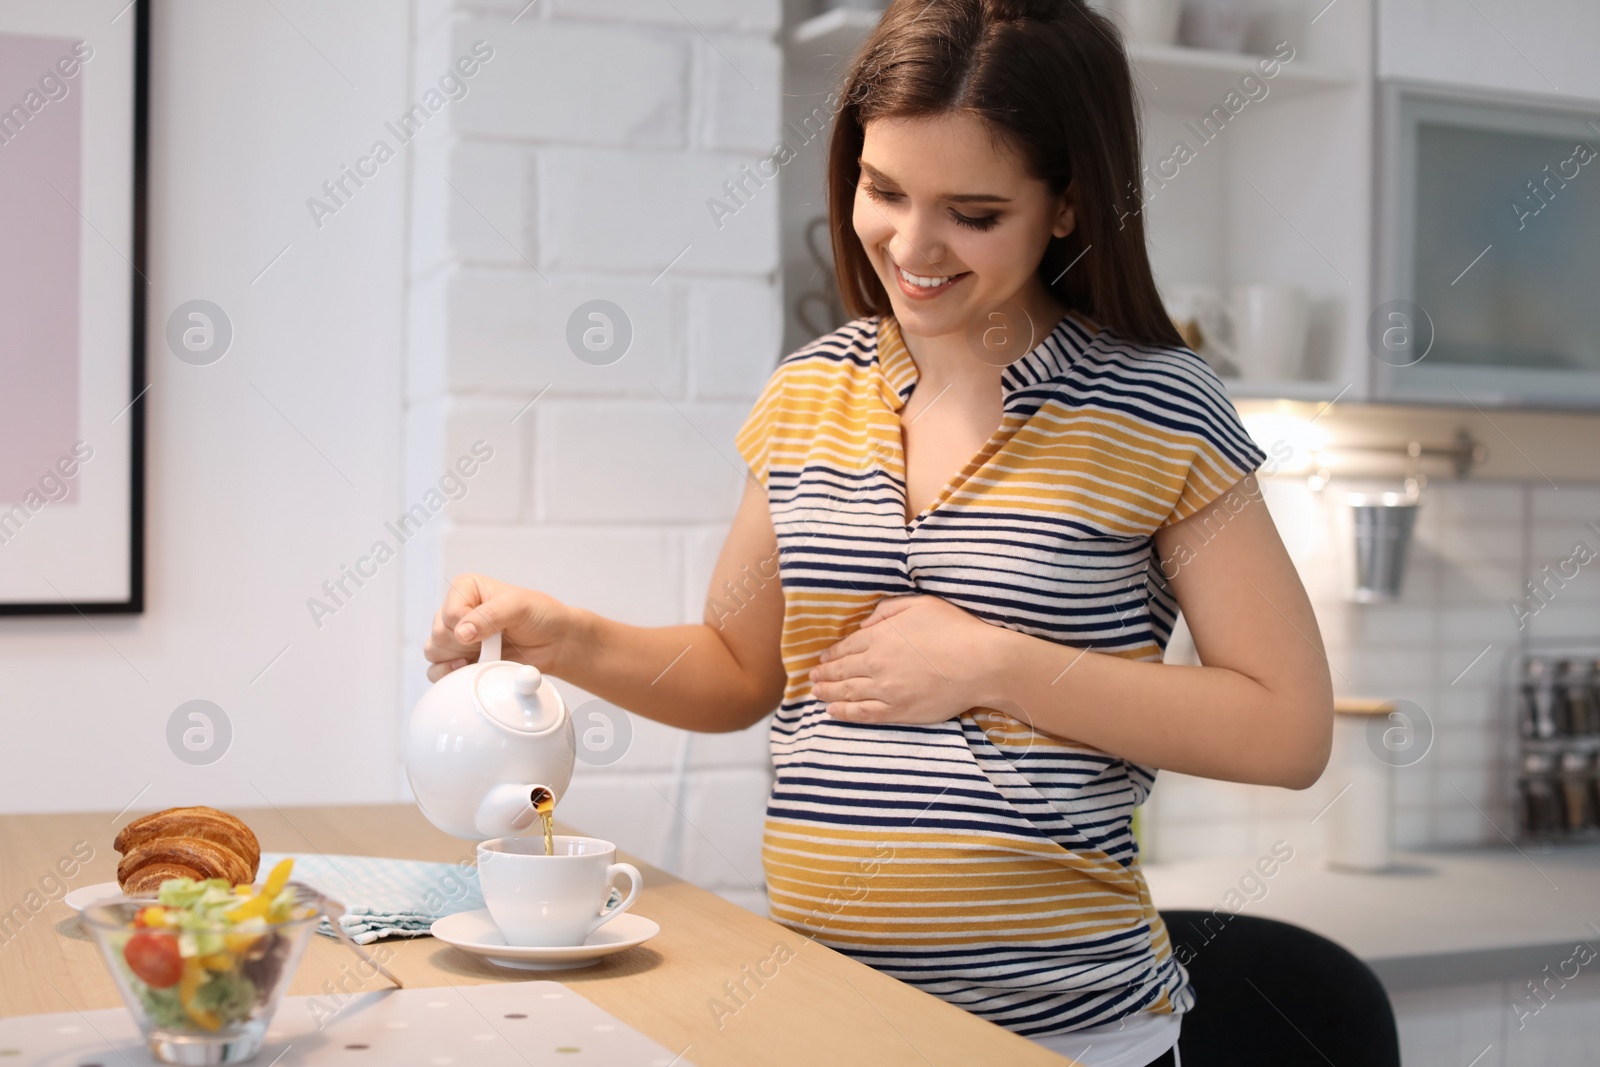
x=1050 y=77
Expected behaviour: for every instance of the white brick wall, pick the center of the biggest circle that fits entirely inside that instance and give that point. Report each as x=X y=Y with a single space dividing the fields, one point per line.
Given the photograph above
x=504 y=332
x=645 y=463
x=740 y=112
x=1475 y=546
x=574 y=83
x=497 y=492
x=727 y=321
x=473 y=202
x=641 y=210
x=578 y=167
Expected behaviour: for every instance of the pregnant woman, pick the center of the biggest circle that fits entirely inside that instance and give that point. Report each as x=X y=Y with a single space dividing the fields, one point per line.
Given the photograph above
x=974 y=513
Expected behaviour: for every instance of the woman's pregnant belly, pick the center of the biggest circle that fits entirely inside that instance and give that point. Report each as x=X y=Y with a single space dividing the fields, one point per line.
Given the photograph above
x=968 y=857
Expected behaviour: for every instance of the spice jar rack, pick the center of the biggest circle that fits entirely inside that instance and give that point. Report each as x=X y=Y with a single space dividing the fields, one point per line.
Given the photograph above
x=1557 y=701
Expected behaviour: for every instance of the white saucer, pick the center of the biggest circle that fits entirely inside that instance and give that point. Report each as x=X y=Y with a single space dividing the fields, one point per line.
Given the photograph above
x=475 y=932
x=87 y=895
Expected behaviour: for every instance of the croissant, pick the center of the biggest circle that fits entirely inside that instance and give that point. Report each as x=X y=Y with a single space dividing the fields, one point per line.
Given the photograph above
x=195 y=842
x=146 y=881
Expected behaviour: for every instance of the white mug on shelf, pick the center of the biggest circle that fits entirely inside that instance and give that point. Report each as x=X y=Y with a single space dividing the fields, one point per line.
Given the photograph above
x=1219 y=25
x=1254 y=332
x=1268 y=325
x=1200 y=315
x=1146 y=21
x=1276 y=22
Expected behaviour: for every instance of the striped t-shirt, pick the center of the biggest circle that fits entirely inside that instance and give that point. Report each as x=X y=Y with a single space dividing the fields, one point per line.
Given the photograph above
x=977 y=859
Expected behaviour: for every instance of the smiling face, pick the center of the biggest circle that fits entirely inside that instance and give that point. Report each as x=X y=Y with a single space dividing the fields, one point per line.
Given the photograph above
x=953 y=223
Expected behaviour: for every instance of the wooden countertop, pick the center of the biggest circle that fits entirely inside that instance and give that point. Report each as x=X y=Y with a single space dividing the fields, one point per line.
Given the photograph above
x=822 y=1007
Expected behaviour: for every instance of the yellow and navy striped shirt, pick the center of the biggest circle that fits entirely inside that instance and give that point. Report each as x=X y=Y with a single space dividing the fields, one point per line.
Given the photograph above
x=980 y=860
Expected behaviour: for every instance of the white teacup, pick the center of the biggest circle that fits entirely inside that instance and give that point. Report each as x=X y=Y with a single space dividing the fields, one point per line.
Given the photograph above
x=544 y=901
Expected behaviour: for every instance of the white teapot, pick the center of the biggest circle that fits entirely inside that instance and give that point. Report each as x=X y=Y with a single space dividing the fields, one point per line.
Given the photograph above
x=485 y=744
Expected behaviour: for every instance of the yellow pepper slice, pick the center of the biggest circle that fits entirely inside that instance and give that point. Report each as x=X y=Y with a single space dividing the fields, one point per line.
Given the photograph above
x=257 y=905
x=239 y=944
x=189 y=981
x=217 y=961
x=194 y=976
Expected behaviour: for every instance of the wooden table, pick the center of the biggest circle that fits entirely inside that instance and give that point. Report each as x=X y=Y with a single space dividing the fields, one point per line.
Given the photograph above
x=820 y=1008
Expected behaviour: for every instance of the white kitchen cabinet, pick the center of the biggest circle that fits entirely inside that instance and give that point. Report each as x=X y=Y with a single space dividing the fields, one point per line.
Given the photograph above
x=1281 y=195
x=1272 y=184
x=1535 y=46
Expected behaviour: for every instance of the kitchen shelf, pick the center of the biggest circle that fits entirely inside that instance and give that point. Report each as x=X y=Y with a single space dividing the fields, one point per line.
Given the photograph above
x=1193 y=79
x=1285 y=197
x=1167 y=75
x=833 y=34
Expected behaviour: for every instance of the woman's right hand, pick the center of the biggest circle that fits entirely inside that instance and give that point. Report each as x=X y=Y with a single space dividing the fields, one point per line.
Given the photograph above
x=534 y=625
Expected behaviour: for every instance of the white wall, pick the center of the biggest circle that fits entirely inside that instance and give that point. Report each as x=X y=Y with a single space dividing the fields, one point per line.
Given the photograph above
x=246 y=519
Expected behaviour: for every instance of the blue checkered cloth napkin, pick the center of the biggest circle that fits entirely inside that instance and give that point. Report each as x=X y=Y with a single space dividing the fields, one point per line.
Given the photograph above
x=385 y=897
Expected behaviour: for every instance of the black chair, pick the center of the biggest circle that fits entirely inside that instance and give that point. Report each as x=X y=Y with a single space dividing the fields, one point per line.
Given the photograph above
x=1268 y=993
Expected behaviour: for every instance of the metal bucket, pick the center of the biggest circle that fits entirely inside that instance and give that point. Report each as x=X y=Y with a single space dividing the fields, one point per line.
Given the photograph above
x=1383 y=525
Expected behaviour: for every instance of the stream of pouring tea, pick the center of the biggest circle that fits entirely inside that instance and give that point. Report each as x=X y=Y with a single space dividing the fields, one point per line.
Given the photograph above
x=545 y=804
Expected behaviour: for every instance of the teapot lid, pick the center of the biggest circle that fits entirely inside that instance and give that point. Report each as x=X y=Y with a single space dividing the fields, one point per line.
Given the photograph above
x=516 y=696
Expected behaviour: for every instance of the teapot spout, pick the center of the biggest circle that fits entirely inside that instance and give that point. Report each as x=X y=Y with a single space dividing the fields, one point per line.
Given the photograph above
x=511 y=809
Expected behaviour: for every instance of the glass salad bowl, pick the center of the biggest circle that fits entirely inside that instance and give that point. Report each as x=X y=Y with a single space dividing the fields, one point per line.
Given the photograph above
x=203 y=965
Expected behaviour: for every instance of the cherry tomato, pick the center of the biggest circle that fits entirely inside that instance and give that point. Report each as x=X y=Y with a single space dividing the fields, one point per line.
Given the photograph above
x=154 y=958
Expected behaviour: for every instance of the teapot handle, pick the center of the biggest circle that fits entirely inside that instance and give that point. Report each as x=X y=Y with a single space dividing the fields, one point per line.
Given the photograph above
x=489 y=651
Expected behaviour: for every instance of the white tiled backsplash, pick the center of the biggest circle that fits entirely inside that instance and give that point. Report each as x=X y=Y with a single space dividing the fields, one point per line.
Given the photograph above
x=1443 y=646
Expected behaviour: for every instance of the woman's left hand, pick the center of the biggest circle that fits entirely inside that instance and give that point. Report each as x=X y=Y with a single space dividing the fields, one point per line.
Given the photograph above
x=915 y=659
